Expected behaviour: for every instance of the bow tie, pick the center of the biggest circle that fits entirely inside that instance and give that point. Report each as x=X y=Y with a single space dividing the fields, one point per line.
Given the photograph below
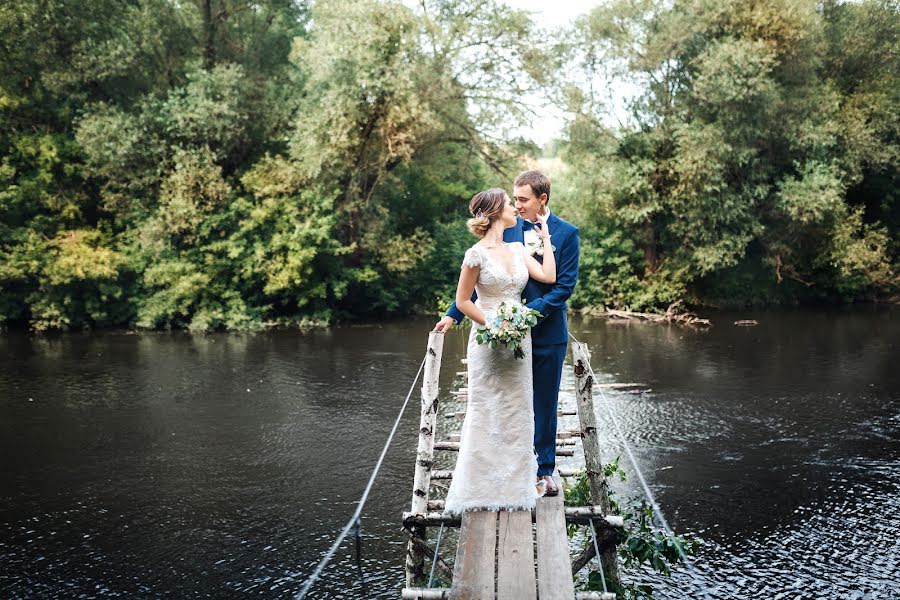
x=527 y=225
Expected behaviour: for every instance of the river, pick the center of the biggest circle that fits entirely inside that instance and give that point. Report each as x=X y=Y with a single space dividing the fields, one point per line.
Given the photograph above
x=224 y=465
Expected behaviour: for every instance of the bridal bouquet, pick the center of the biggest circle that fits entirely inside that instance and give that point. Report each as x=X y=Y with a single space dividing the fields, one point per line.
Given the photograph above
x=507 y=325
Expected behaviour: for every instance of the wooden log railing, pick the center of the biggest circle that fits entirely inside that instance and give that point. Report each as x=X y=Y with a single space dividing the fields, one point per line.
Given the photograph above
x=415 y=558
x=584 y=393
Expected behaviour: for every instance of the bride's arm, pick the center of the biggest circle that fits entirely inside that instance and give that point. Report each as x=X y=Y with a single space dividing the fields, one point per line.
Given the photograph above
x=544 y=272
x=467 y=278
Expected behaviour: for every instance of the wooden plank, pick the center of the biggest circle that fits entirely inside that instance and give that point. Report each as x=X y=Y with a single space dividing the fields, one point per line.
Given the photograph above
x=515 y=556
x=473 y=572
x=454 y=447
x=561 y=440
x=554 y=570
x=424 y=593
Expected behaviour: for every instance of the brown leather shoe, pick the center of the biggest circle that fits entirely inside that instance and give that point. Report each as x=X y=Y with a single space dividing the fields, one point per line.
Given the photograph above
x=552 y=488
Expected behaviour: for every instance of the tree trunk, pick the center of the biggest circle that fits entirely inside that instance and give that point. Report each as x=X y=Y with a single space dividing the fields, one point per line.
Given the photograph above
x=650 y=258
x=209 y=52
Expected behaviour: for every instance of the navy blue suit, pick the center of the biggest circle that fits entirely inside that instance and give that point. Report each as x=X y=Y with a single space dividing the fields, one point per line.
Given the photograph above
x=550 y=337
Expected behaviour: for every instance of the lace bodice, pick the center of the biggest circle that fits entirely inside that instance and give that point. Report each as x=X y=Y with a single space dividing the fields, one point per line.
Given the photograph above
x=496 y=282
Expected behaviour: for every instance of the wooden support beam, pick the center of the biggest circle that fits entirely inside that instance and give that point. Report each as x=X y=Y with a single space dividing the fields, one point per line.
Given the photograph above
x=460 y=414
x=432 y=519
x=607 y=386
x=584 y=390
x=444 y=594
x=560 y=441
x=445 y=569
x=415 y=559
x=571 y=514
x=454 y=447
x=425 y=593
x=582 y=514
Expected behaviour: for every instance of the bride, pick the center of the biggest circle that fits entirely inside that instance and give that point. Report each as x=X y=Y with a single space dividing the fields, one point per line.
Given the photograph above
x=496 y=465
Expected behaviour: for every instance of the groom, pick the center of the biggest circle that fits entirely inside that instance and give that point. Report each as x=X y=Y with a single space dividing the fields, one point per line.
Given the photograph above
x=550 y=337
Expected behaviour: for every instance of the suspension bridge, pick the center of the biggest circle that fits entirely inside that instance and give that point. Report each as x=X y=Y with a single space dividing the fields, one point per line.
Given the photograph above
x=514 y=555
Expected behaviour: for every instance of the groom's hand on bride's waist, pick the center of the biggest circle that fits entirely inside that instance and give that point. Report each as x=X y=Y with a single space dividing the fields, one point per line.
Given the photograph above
x=444 y=324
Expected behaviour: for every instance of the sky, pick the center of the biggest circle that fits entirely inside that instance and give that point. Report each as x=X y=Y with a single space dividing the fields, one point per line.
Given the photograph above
x=553 y=14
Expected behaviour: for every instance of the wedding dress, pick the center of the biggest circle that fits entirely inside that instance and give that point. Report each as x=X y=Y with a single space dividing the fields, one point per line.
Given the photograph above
x=496 y=468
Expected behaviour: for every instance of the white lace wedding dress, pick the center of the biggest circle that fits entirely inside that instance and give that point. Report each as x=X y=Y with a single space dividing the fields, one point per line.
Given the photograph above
x=496 y=468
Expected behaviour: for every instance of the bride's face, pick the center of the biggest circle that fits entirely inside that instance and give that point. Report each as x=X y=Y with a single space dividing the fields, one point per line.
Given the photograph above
x=508 y=216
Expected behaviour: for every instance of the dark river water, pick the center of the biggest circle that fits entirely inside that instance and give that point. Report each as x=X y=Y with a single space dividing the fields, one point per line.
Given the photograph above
x=223 y=466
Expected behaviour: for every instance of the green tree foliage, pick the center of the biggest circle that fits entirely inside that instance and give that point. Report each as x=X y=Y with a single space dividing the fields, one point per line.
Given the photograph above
x=234 y=164
x=757 y=156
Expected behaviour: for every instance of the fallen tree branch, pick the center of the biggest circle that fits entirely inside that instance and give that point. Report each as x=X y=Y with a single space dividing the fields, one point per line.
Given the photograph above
x=670 y=316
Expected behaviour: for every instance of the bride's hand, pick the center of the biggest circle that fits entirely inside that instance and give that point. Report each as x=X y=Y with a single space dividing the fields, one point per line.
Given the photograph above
x=542 y=219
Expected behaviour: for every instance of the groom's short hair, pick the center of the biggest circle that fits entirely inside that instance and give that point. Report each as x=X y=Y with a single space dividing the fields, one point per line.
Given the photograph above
x=540 y=183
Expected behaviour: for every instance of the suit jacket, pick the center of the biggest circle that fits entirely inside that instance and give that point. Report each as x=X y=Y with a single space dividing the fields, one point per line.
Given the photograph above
x=548 y=299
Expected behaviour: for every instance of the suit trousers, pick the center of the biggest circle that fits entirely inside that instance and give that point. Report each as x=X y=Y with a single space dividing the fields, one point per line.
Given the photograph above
x=547 y=364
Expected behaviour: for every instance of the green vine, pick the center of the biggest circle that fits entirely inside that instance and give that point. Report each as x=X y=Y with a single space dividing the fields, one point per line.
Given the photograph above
x=642 y=543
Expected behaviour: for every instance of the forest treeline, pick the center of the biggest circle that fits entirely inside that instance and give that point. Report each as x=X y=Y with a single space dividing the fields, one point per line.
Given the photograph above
x=234 y=164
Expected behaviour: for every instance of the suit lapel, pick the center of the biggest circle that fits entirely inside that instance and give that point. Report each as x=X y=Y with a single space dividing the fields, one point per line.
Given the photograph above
x=552 y=221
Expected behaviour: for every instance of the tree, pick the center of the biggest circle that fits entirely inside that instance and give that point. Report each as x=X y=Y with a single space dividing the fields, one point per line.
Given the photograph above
x=734 y=154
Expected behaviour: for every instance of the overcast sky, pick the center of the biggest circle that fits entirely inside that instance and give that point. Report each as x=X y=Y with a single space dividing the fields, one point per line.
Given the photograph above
x=550 y=15
x=553 y=14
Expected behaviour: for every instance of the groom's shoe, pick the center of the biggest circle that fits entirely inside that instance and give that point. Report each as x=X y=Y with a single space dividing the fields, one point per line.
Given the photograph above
x=552 y=488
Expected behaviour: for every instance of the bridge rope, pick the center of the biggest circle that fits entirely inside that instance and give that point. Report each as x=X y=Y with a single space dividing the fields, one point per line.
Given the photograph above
x=436 y=549
x=354 y=521
x=597 y=552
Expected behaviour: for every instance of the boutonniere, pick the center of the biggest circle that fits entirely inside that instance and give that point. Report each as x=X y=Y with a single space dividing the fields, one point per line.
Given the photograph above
x=535 y=243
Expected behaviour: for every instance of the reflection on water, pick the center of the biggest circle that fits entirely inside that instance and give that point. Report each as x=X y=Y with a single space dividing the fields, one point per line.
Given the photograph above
x=222 y=465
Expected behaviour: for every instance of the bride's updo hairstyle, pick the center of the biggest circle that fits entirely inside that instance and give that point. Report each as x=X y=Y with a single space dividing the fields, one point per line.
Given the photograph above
x=485 y=207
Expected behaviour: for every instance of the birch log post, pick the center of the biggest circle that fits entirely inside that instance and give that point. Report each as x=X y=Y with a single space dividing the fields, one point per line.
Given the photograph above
x=584 y=392
x=415 y=558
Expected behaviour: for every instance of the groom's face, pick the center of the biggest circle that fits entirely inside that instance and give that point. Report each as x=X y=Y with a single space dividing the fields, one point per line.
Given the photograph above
x=528 y=205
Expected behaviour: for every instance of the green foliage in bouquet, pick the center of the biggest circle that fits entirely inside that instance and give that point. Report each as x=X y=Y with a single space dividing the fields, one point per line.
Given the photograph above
x=508 y=325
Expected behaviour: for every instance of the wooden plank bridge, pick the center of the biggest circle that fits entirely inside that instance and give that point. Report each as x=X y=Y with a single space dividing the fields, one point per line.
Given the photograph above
x=514 y=555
